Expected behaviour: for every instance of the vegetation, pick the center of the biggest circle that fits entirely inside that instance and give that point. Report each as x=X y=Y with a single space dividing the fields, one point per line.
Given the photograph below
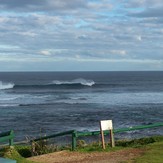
x=12 y=153
x=120 y=144
x=153 y=147
x=153 y=154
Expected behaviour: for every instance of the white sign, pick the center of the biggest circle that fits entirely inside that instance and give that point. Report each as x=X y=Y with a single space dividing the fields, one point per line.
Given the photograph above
x=106 y=125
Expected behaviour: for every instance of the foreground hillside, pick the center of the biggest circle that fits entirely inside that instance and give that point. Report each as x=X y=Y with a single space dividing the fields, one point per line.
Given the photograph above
x=146 y=150
x=152 y=153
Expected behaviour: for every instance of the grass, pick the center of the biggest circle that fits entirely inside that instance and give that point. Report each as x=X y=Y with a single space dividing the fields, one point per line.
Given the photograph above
x=153 y=154
x=120 y=144
x=12 y=153
x=152 y=146
x=94 y=147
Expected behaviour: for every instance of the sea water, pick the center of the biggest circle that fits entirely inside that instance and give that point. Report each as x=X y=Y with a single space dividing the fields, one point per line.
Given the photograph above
x=53 y=102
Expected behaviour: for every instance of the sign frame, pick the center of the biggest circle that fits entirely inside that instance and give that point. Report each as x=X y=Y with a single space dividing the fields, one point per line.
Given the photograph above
x=107 y=125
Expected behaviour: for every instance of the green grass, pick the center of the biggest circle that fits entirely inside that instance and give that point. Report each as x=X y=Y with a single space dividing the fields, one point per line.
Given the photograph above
x=95 y=146
x=153 y=154
x=120 y=144
x=23 y=150
x=152 y=146
x=13 y=154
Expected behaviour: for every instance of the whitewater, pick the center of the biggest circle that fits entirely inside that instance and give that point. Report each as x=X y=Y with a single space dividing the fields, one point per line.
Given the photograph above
x=75 y=81
x=4 y=85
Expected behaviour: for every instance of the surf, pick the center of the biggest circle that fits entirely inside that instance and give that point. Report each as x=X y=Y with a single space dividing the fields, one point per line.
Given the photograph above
x=79 y=81
x=5 y=85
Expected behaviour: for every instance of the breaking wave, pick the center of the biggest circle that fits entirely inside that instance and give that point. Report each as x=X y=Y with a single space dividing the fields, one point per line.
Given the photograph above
x=4 y=85
x=75 y=82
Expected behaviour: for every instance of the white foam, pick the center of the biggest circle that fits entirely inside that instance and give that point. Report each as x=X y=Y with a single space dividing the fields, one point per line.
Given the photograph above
x=75 y=81
x=10 y=98
x=8 y=105
x=6 y=85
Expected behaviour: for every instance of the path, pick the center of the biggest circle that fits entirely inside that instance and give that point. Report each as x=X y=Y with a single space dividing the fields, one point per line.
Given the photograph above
x=92 y=157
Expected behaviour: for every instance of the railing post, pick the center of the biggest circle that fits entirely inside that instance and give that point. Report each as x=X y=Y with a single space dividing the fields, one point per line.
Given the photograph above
x=74 y=136
x=11 y=140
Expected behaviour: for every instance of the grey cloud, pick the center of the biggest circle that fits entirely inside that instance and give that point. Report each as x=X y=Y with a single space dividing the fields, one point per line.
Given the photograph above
x=83 y=37
x=149 y=12
x=77 y=8
x=41 y=5
x=21 y=5
x=141 y=3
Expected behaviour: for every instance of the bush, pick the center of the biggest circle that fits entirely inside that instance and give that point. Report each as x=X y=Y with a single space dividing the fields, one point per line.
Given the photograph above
x=135 y=142
x=13 y=154
x=24 y=150
x=41 y=147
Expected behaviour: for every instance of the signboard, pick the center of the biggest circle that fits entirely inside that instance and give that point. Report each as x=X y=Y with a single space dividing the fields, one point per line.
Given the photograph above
x=106 y=125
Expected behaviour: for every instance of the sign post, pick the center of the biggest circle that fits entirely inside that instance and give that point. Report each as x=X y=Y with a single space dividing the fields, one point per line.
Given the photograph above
x=107 y=125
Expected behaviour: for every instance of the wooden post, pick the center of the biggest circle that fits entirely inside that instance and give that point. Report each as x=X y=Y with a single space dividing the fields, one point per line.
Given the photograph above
x=112 y=143
x=102 y=137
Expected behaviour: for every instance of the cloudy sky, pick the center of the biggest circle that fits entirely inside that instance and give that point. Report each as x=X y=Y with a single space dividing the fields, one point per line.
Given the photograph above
x=81 y=35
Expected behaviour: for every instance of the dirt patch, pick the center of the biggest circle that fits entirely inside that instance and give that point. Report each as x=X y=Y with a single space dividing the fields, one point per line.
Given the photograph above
x=93 y=157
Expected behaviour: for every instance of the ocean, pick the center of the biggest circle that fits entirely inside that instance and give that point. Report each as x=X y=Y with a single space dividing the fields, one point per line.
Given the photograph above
x=52 y=102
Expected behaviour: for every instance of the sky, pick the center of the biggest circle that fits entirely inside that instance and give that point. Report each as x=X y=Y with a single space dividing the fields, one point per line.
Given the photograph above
x=81 y=35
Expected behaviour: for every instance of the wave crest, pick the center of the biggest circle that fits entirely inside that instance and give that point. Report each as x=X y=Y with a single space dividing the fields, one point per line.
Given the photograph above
x=6 y=85
x=75 y=81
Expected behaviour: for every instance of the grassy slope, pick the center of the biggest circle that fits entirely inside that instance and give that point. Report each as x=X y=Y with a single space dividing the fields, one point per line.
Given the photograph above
x=13 y=154
x=153 y=154
x=153 y=149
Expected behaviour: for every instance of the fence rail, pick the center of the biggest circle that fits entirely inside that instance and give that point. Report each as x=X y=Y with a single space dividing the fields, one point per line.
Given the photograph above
x=71 y=132
x=7 y=136
x=139 y=127
x=92 y=133
x=76 y=134
x=55 y=135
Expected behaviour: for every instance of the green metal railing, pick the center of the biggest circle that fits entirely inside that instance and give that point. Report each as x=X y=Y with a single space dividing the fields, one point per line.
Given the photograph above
x=7 y=136
x=71 y=132
x=55 y=135
x=120 y=130
x=76 y=134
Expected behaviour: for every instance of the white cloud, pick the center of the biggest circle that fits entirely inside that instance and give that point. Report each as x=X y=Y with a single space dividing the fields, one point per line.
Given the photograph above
x=119 y=52
x=138 y=37
x=3 y=19
x=28 y=33
x=45 y=52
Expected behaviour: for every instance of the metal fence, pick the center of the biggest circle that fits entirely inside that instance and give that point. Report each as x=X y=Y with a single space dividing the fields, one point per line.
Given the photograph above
x=76 y=134
x=7 y=136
